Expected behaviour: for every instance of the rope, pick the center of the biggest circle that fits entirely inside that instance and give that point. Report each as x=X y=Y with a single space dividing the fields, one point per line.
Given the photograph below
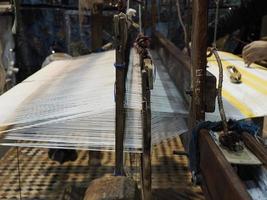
x=15 y=23
x=183 y=26
x=220 y=81
x=128 y=4
x=229 y=139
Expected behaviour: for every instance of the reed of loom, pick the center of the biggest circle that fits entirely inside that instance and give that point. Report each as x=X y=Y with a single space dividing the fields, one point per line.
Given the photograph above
x=121 y=34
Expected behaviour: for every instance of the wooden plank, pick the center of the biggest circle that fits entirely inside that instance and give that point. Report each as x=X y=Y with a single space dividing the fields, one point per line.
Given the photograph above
x=198 y=59
x=146 y=155
x=120 y=95
x=119 y=117
x=255 y=147
x=153 y=15
x=97 y=27
x=217 y=174
x=205 y=190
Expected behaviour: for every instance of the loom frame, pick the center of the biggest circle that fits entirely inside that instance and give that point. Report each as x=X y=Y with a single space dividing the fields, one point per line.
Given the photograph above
x=193 y=75
x=121 y=73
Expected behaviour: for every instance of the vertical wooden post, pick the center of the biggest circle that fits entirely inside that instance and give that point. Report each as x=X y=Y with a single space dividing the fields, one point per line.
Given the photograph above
x=146 y=23
x=97 y=26
x=96 y=31
x=198 y=59
x=153 y=15
x=188 y=20
x=119 y=116
x=121 y=40
x=146 y=155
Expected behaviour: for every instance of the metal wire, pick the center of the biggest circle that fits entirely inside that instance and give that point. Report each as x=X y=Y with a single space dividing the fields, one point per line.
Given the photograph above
x=183 y=26
x=128 y=4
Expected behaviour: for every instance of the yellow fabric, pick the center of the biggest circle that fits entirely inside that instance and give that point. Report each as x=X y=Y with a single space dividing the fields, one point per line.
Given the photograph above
x=249 y=97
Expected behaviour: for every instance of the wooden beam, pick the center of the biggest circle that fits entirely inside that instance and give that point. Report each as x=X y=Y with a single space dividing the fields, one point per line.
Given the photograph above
x=153 y=15
x=198 y=59
x=120 y=118
x=120 y=91
x=255 y=147
x=218 y=176
x=146 y=155
x=97 y=27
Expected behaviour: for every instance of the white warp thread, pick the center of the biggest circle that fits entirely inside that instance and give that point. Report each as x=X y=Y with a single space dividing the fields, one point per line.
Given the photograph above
x=70 y=104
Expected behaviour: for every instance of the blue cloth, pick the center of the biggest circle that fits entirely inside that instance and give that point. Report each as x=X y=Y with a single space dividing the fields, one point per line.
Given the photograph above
x=238 y=126
x=120 y=66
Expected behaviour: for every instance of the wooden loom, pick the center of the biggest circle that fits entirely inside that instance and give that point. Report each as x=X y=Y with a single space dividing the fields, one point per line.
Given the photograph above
x=63 y=85
x=179 y=67
x=121 y=72
x=218 y=180
x=120 y=113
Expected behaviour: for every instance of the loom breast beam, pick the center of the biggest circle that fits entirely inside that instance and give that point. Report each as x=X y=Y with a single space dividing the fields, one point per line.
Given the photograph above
x=220 y=181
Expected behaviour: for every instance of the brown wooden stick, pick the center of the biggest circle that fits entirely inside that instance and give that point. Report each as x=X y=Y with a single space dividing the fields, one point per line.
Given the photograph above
x=97 y=28
x=198 y=59
x=120 y=95
x=146 y=155
x=255 y=147
x=153 y=15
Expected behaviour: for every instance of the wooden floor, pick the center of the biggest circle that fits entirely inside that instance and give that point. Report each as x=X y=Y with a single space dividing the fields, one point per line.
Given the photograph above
x=43 y=179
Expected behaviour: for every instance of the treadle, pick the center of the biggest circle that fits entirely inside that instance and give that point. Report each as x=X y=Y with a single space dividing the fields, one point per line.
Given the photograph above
x=244 y=157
